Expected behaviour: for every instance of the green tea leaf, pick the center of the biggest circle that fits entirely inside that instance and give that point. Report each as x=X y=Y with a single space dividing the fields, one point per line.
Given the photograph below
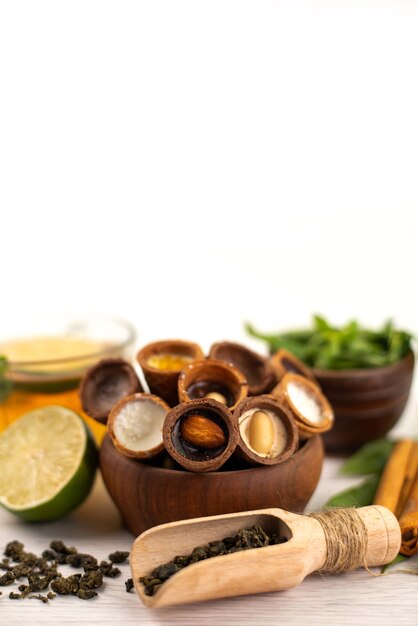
x=362 y=495
x=349 y=346
x=398 y=559
x=370 y=459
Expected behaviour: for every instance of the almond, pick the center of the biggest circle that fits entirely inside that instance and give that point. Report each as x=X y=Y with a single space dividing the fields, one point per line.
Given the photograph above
x=261 y=432
x=202 y=431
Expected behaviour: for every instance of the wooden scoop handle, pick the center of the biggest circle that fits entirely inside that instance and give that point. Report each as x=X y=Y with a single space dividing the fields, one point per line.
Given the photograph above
x=347 y=546
x=383 y=534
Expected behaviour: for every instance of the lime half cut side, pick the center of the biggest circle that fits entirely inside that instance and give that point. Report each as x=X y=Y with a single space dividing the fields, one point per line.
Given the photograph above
x=48 y=462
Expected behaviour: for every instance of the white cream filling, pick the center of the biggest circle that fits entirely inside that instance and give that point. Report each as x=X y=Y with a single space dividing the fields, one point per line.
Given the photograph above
x=138 y=425
x=279 y=432
x=305 y=403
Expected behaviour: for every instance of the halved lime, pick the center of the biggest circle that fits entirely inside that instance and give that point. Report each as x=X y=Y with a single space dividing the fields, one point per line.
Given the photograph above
x=48 y=461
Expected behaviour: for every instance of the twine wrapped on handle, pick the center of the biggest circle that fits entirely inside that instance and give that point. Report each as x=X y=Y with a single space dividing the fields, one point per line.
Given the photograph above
x=346 y=539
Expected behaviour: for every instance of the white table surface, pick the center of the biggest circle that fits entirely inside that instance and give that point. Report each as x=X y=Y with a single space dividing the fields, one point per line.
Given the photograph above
x=357 y=598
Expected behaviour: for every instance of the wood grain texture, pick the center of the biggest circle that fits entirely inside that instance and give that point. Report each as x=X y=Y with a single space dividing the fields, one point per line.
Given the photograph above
x=147 y=496
x=275 y=568
x=367 y=402
x=345 y=599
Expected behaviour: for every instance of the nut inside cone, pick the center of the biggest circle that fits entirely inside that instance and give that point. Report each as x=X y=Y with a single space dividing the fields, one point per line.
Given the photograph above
x=263 y=432
x=267 y=429
x=208 y=378
x=135 y=425
x=307 y=402
x=199 y=434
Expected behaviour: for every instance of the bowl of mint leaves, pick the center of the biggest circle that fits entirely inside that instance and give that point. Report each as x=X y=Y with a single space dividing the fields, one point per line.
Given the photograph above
x=366 y=374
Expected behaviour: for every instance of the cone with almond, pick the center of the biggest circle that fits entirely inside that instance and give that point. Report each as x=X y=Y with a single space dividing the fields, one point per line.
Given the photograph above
x=213 y=379
x=200 y=434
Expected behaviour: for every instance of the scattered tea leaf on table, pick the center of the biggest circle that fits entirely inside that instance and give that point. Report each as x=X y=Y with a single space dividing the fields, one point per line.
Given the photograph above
x=369 y=459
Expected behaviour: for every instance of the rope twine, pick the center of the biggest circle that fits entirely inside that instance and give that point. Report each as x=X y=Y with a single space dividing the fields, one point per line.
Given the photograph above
x=346 y=540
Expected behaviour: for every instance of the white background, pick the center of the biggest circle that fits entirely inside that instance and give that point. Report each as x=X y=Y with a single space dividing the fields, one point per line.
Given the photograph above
x=192 y=164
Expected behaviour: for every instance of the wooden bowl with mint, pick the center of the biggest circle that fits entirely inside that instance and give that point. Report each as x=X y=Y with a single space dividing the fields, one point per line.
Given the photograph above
x=365 y=374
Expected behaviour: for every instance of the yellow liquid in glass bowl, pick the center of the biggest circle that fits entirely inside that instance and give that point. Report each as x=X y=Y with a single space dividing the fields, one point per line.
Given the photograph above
x=47 y=370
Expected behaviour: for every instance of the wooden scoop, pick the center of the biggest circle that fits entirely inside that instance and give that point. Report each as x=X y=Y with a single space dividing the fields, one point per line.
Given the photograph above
x=272 y=568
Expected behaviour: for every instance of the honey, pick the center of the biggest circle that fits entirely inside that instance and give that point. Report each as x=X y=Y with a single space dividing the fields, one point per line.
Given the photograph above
x=169 y=361
x=20 y=402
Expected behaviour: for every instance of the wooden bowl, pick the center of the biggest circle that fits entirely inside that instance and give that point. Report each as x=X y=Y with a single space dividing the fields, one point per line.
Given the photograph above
x=147 y=495
x=367 y=402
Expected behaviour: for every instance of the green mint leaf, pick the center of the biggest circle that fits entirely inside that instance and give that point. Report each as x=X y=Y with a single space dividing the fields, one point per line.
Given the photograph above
x=320 y=323
x=370 y=459
x=362 y=495
x=349 y=346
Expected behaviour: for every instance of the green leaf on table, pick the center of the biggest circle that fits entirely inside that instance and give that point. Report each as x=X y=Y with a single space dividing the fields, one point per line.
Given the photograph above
x=362 y=495
x=5 y=385
x=398 y=559
x=370 y=459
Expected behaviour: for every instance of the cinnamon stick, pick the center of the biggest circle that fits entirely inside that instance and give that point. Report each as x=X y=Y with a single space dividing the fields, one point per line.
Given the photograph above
x=410 y=474
x=398 y=491
x=408 y=519
x=393 y=477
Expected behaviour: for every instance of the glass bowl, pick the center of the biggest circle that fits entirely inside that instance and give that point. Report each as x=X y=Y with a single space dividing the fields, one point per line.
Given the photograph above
x=47 y=356
x=62 y=348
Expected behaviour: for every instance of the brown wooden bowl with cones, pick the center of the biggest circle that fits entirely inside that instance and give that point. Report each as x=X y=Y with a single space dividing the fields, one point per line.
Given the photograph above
x=147 y=495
